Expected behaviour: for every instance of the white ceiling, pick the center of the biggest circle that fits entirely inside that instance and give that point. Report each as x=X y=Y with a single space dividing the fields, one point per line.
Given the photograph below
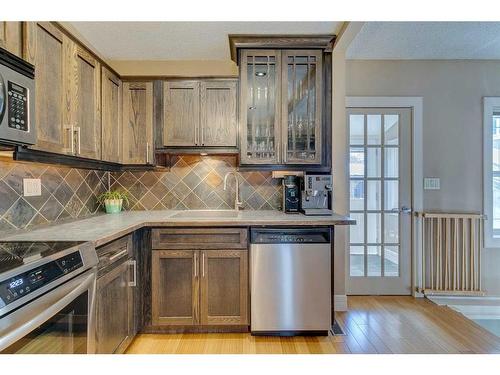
x=426 y=40
x=182 y=40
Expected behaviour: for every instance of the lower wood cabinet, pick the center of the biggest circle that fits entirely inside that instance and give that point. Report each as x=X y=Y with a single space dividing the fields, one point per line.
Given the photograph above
x=200 y=287
x=115 y=301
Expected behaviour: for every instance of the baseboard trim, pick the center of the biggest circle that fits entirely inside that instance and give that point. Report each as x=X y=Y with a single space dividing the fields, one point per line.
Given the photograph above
x=340 y=302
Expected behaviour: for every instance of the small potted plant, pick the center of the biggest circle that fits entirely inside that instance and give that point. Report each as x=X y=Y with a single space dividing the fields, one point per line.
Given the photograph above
x=112 y=201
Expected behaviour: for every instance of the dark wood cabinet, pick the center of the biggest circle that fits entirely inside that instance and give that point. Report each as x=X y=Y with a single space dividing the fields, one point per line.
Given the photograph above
x=11 y=37
x=224 y=287
x=175 y=286
x=111 y=135
x=200 y=114
x=116 y=297
x=137 y=122
x=50 y=50
x=199 y=282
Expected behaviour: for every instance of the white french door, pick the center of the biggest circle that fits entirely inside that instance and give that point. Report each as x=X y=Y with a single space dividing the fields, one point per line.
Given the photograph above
x=380 y=171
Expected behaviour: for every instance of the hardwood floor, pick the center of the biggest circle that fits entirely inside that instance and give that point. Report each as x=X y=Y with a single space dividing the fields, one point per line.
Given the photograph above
x=372 y=325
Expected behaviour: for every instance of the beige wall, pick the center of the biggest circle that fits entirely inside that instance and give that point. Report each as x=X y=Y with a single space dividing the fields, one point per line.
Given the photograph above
x=452 y=94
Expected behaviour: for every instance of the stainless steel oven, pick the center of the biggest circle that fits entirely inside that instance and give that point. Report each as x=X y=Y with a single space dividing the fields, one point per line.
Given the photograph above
x=17 y=101
x=48 y=305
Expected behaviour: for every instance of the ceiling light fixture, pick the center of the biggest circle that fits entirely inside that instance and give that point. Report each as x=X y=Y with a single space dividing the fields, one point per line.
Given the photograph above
x=260 y=74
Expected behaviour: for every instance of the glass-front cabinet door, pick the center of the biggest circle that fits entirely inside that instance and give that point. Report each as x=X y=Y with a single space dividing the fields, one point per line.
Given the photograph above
x=301 y=106
x=280 y=111
x=260 y=105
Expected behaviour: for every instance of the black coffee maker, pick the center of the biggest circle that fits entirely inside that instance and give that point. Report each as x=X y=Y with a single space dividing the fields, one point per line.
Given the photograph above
x=291 y=194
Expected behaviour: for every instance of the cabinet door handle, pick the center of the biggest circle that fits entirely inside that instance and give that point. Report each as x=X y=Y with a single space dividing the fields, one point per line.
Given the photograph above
x=78 y=138
x=147 y=152
x=117 y=255
x=203 y=264
x=71 y=130
x=195 y=265
x=133 y=263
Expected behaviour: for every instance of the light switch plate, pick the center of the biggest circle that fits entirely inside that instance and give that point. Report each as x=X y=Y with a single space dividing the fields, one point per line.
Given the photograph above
x=32 y=187
x=432 y=183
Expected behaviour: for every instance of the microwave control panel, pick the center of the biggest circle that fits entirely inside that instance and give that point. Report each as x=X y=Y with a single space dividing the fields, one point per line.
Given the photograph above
x=18 y=286
x=17 y=107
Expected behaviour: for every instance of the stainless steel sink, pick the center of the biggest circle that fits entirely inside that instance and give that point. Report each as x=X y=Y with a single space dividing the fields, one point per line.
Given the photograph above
x=194 y=214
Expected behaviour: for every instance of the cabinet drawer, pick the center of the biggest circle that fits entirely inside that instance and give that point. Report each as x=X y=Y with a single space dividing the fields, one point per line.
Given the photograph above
x=113 y=251
x=210 y=238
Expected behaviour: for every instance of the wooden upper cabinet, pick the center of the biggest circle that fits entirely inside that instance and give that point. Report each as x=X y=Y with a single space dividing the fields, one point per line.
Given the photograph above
x=87 y=73
x=218 y=113
x=224 y=287
x=181 y=106
x=200 y=113
x=301 y=106
x=260 y=78
x=281 y=108
x=67 y=92
x=137 y=122
x=47 y=48
x=111 y=135
x=11 y=37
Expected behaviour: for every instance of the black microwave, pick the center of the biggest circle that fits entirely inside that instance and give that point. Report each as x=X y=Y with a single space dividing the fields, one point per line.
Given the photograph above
x=17 y=100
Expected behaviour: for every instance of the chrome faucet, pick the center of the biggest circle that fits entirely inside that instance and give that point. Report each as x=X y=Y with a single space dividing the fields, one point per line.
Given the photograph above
x=237 y=203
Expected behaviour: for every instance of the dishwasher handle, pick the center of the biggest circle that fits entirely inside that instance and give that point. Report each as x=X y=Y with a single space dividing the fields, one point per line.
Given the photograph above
x=289 y=235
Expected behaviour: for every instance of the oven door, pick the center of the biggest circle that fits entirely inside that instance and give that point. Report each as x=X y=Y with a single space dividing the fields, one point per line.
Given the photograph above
x=61 y=321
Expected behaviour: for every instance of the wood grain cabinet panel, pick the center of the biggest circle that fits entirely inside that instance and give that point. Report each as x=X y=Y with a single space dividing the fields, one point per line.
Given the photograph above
x=175 y=287
x=11 y=37
x=48 y=48
x=218 y=113
x=181 y=106
x=137 y=122
x=112 y=306
x=224 y=287
x=88 y=104
x=200 y=238
x=111 y=136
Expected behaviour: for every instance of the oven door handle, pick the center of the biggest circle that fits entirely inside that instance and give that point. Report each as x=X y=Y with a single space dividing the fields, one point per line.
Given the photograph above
x=19 y=323
x=3 y=98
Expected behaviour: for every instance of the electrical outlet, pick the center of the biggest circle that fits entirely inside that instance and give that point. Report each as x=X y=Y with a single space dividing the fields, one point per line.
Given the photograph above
x=432 y=183
x=32 y=187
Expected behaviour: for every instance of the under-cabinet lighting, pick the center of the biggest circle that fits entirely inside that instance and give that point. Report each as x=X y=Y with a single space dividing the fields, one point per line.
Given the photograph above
x=203 y=154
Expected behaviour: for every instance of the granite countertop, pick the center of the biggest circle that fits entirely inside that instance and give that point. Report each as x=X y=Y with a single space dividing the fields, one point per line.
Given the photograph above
x=105 y=228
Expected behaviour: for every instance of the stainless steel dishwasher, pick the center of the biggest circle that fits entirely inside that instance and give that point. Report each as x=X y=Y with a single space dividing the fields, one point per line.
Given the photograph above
x=290 y=281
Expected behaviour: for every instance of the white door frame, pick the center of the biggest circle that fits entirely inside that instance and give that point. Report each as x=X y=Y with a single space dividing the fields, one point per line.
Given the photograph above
x=417 y=194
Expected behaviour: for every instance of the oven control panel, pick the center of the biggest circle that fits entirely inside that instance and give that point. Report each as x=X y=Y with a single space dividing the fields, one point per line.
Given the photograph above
x=16 y=287
x=17 y=107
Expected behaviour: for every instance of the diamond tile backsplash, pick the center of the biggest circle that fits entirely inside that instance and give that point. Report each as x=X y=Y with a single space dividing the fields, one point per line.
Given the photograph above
x=194 y=182
x=66 y=193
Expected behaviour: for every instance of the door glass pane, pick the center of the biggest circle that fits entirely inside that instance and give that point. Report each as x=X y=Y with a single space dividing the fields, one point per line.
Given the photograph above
x=391 y=190
x=391 y=228
x=356 y=129
x=496 y=142
x=391 y=129
x=496 y=203
x=357 y=261
x=374 y=254
x=374 y=129
x=357 y=195
x=374 y=162
x=261 y=76
x=391 y=261
x=357 y=162
x=391 y=159
x=357 y=232
x=374 y=227
x=301 y=142
x=373 y=195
